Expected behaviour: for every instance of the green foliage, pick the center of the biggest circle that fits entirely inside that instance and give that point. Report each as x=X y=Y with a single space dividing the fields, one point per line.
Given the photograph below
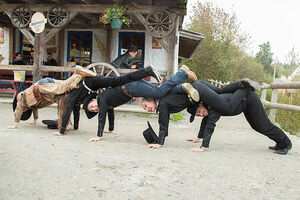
x=289 y=120
x=221 y=55
x=117 y=12
x=265 y=57
x=176 y=117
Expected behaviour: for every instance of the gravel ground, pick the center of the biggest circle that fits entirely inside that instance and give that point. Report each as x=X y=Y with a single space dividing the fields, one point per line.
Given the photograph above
x=34 y=164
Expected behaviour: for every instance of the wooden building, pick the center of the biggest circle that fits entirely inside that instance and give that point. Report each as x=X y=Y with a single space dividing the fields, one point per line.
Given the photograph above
x=73 y=32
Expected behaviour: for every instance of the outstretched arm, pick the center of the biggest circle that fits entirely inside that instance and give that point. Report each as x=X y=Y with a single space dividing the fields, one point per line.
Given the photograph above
x=103 y=106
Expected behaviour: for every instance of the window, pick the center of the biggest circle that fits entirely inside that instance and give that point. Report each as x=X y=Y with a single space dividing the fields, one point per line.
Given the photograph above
x=127 y=39
x=80 y=47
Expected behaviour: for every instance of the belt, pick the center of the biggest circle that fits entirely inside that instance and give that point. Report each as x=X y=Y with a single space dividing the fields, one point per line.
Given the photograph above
x=125 y=91
x=89 y=89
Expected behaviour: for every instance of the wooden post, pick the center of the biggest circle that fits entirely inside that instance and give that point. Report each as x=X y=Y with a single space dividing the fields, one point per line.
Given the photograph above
x=108 y=45
x=37 y=75
x=264 y=93
x=273 y=100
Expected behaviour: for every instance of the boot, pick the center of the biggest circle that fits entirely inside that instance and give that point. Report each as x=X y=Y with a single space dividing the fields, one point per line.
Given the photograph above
x=191 y=75
x=84 y=72
x=252 y=85
x=191 y=91
x=76 y=79
x=154 y=73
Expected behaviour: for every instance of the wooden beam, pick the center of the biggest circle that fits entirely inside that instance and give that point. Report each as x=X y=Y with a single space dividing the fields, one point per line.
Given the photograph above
x=28 y=35
x=37 y=75
x=96 y=8
x=88 y=1
x=11 y=44
x=25 y=32
x=30 y=1
x=289 y=85
x=55 y=30
x=90 y=17
x=164 y=43
x=281 y=106
x=108 y=45
x=60 y=50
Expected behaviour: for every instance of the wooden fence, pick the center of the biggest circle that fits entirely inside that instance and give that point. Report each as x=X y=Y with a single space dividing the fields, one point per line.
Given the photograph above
x=275 y=89
x=273 y=103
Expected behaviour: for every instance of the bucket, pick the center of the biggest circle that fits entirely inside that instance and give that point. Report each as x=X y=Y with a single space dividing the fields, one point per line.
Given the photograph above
x=19 y=75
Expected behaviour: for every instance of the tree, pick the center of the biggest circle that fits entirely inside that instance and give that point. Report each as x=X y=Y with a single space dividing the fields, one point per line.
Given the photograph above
x=293 y=61
x=265 y=57
x=220 y=53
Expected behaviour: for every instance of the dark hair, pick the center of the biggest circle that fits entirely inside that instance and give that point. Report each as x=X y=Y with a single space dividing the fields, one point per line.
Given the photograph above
x=49 y=53
x=133 y=49
x=18 y=53
x=149 y=99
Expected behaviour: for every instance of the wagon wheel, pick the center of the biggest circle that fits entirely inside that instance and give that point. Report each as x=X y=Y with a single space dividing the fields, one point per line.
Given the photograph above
x=160 y=23
x=104 y=69
x=58 y=16
x=20 y=16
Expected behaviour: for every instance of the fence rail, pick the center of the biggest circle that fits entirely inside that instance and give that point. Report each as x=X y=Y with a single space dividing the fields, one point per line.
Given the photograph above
x=275 y=90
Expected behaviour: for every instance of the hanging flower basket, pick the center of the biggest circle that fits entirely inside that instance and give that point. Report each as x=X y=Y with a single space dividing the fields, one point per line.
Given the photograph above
x=115 y=16
x=116 y=24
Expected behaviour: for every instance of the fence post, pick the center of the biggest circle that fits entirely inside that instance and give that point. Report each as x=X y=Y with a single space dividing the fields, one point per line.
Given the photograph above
x=273 y=100
x=264 y=93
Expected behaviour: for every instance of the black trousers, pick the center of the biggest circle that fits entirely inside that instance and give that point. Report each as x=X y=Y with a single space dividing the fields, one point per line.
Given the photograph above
x=216 y=101
x=259 y=121
x=98 y=82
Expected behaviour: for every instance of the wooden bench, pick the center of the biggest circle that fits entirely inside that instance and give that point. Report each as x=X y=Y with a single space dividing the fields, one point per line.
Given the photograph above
x=13 y=86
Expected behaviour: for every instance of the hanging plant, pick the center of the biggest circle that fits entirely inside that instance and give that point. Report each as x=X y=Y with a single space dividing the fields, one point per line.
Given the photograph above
x=115 y=13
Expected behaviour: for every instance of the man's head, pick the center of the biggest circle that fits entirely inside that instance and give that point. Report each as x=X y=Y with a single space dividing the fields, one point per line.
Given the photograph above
x=93 y=106
x=49 y=56
x=18 y=56
x=32 y=54
x=201 y=111
x=133 y=51
x=149 y=104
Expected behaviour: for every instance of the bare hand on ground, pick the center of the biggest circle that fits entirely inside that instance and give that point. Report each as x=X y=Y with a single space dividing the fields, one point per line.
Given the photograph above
x=12 y=127
x=70 y=128
x=107 y=131
x=195 y=140
x=198 y=149
x=154 y=146
x=133 y=67
x=94 y=139
x=57 y=134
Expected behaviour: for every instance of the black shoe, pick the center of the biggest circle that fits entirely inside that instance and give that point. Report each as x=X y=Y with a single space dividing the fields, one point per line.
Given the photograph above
x=250 y=84
x=155 y=74
x=276 y=147
x=284 y=151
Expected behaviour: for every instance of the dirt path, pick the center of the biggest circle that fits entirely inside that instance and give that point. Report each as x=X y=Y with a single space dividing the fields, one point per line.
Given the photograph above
x=36 y=165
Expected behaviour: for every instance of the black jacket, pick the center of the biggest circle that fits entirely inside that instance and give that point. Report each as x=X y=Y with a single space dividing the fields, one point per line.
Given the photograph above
x=51 y=62
x=124 y=61
x=171 y=103
x=78 y=95
x=208 y=123
x=110 y=98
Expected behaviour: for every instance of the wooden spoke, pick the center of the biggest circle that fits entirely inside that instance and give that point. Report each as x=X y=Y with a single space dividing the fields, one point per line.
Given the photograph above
x=58 y=16
x=104 y=69
x=160 y=23
x=20 y=16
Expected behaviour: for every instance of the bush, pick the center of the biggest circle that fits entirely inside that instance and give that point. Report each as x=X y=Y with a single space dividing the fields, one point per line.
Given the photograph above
x=176 y=117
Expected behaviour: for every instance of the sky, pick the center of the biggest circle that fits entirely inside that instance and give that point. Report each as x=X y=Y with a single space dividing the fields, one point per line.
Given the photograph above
x=276 y=21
